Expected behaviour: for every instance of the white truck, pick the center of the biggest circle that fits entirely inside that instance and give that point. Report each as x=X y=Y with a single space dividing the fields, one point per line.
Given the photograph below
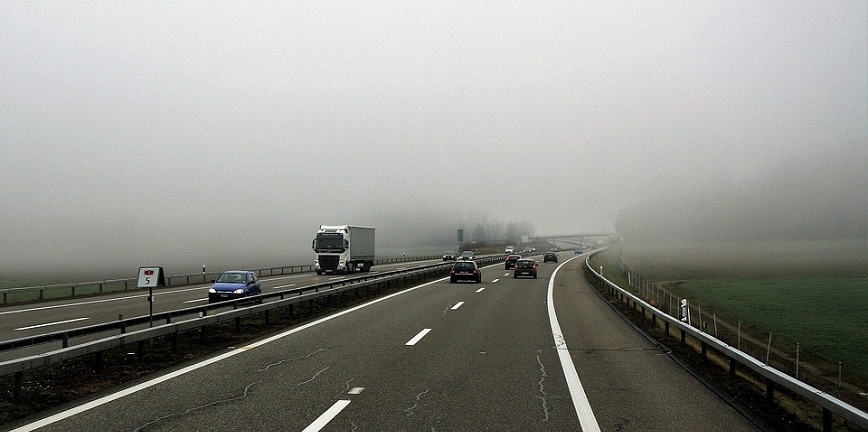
x=343 y=249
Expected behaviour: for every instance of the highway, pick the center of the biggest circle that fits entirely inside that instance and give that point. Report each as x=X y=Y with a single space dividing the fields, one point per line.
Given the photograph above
x=50 y=316
x=508 y=354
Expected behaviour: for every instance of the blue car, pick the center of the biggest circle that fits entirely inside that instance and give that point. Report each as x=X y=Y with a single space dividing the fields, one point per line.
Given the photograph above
x=233 y=285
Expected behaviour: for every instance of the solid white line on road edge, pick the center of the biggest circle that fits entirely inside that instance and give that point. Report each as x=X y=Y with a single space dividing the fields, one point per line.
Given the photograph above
x=457 y=305
x=327 y=416
x=134 y=389
x=52 y=323
x=418 y=337
x=90 y=302
x=577 y=392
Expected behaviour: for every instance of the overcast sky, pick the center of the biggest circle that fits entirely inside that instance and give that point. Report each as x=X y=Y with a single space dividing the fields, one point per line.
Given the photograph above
x=143 y=126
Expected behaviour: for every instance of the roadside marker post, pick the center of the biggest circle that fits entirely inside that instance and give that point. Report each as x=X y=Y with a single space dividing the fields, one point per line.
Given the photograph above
x=150 y=277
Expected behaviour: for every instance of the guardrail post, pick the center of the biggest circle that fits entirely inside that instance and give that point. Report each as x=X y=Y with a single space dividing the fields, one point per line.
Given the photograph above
x=704 y=351
x=140 y=351
x=827 y=420
x=732 y=365
x=770 y=390
x=175 y=342
x=123 y=324
x=98 y=362
x=16 y=391
x=65 y=338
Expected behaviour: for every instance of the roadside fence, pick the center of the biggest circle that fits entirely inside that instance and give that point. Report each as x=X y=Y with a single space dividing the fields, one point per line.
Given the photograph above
x=810 y=368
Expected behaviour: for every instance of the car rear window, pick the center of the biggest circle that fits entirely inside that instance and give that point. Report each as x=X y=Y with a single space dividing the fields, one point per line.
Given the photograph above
x=464 y=266
x=524 y=264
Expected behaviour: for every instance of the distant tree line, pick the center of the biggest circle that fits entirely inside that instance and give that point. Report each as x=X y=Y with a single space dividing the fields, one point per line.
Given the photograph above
x=821 y=197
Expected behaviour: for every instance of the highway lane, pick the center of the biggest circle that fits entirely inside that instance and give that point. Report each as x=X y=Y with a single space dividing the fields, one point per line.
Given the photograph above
x=44 y=317
x=440 y=356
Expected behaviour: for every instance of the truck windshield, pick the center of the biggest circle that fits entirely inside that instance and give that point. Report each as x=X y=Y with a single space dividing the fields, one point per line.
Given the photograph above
x=329 y=243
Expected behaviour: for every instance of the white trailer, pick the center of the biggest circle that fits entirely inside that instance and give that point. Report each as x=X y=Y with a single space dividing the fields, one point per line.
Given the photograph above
x=343 y=249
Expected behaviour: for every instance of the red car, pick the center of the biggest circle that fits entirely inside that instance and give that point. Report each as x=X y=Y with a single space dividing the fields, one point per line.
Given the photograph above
x=524 y=267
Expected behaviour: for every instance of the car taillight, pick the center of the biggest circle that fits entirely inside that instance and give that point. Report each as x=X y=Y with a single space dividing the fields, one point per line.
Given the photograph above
x=475 y=271
x=452 y=272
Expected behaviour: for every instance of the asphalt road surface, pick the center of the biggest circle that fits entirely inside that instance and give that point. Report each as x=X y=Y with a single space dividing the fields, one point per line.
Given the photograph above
x=543 y=354
x=50 y=316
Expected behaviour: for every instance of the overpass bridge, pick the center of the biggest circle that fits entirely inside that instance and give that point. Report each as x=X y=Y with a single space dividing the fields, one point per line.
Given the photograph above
x=580 y=239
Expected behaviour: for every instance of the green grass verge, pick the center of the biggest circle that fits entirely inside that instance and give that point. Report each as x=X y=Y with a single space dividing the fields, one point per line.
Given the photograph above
x=811 y=293
x=826 y=317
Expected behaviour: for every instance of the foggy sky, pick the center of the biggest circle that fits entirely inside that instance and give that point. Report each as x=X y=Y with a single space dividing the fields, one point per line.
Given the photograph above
x=138 y=132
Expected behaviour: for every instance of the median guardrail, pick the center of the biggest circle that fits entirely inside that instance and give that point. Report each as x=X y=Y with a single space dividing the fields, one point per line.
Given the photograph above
x=203 y=316
x=58 y=291
x=773 y=377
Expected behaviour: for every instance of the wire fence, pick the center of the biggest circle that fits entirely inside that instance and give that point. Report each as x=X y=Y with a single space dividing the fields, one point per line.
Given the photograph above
x=831 y=376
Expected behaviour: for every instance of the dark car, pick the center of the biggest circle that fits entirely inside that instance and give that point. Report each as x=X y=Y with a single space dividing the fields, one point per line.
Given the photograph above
x=449 y=255
x=465 y=270
x=233 y=285
x=550 y=256
x=524 y=267
x=510 y=261
x=466 y=256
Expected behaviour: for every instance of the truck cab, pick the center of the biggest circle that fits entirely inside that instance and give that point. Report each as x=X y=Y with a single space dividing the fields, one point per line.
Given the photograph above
x=343 y=249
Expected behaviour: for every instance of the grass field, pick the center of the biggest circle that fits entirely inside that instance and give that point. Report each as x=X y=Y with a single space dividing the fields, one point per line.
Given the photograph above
x=826 y=317
x=811 y=293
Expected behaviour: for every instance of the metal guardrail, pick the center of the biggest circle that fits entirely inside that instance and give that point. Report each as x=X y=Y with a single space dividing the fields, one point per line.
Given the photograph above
x=57 y=291
x=829 y=404
x=286 y=298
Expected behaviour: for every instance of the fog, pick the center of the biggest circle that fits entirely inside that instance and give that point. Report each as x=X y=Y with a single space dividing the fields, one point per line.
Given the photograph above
x=188 y=133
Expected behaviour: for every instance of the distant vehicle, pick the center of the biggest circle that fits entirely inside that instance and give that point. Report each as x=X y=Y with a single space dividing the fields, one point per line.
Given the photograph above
x=449 y=255
x=233 y=285
x=578 y=250
x=465 y=270
x=550 y=256
x=510 y=261
x=466 y=256
x=510 y=250
x=343 y=249
x=524 y=267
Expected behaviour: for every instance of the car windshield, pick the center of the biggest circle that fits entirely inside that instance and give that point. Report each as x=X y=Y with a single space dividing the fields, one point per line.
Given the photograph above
x=231 y=278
